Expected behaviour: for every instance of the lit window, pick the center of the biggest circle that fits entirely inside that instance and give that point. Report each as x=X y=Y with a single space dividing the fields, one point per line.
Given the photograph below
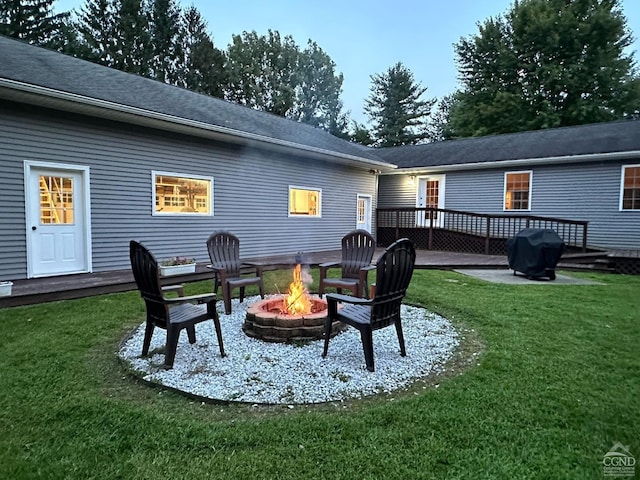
x=517 y=191
x=177 y=194
x=630 y=188
x=304 y=202
x=56 y=200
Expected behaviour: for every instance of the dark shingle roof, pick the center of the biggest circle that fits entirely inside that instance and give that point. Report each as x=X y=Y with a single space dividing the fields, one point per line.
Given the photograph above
x=589 y=139
x=44 y=68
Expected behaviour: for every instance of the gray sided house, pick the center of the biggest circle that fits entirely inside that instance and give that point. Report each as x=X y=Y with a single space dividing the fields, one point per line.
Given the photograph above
x=92 y=157
x=589 y=173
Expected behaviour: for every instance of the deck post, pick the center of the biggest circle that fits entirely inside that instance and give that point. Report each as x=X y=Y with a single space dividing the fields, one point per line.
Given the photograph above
x=584 y=238
x=430 y=230
x=487 y=235
x=397 y=224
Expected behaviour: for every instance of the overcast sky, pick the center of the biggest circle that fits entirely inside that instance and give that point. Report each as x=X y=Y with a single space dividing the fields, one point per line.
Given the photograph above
x=366 y=37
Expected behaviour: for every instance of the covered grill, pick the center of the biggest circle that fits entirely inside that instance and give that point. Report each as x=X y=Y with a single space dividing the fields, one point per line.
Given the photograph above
x=535 y=252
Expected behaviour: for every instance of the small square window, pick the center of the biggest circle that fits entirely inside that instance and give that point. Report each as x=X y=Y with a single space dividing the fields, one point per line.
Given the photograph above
x=517 y=191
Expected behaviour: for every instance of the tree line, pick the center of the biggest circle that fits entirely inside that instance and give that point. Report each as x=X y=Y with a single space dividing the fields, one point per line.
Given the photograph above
x=543 y=64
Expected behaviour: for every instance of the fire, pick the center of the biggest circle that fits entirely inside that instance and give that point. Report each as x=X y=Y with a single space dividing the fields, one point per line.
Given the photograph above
x=297 y=301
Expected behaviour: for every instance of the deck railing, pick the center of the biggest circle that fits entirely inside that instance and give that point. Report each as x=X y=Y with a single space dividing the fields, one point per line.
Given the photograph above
x=487 y=226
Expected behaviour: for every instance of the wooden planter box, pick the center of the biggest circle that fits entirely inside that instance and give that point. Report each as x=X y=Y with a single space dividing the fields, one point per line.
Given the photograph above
x=167 y=271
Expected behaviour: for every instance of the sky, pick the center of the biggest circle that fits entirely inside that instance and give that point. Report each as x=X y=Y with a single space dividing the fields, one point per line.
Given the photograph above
x=366 y=37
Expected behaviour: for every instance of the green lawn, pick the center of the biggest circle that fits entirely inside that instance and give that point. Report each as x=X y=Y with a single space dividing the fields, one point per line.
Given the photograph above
x=555 y=384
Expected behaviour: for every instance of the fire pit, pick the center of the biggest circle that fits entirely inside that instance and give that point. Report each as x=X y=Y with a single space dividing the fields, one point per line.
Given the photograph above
x=296 y=316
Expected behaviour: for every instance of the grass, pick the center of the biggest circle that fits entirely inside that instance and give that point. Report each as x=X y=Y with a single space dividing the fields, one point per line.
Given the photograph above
x=554 y=387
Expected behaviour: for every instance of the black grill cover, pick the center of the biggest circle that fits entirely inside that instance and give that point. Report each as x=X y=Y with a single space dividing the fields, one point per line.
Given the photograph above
x=535 y=252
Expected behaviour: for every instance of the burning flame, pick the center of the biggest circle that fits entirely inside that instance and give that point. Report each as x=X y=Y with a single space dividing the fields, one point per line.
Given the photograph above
x=297 y=301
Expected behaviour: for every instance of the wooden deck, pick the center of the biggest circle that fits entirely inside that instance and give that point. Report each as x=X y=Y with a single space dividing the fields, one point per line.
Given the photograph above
x=41 y=290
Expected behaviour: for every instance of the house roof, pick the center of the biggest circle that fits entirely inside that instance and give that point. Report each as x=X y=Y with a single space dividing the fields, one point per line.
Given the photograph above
x=47 y=78
x=595 y=142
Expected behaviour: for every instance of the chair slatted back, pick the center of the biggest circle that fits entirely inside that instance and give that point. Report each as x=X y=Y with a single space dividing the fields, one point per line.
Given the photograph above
x=146 y=274
x=394 y=270
x=224 y=249
x=358 y=248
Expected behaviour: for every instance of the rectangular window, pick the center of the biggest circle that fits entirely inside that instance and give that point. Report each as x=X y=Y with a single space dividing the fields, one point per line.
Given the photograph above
x=630 y=196
x=304 y=201
x=177 y=194
x=517 y=191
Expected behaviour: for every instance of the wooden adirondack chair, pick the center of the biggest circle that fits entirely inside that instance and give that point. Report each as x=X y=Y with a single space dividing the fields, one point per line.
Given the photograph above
x=170 y=314
x=393 y=274
x=358 y=248
x=224 y=252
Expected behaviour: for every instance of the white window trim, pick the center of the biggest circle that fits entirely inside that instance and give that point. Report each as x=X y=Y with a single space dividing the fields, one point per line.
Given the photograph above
x=504 y=191
x=155 y=173
x=313 y=189
x=622 y=170
x=370 y=198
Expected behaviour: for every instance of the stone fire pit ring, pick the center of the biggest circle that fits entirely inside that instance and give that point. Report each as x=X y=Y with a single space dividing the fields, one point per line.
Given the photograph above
x=265 y=321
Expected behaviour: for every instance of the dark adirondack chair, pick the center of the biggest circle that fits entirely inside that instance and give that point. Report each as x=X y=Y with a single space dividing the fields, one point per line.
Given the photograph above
x=224 y=252
x=393 y=274
x=358 y=248
x=170 y=314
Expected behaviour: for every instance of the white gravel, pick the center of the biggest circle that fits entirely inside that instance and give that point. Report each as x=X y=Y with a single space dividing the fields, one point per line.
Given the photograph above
x=274 y=373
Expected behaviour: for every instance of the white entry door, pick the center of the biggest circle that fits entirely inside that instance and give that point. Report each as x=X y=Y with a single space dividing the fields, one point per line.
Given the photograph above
x=58 y=225
x=430 y=195
x=363 y=215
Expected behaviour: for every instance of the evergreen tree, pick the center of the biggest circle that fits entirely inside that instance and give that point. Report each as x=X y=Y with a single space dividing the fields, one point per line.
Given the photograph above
x=547 y=63
x=165 y=39
x=396 y=109
x=30 y=20
x=200 y=65
x=133 y=40
x=116 y=33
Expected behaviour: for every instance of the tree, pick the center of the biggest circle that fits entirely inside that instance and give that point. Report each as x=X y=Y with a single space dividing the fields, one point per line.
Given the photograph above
x=271 y=73
x=318 y=92
x=200 y=66
x=30 y=20
x=166 y=43
x=547 y=63
x=395 y=108
x=116 y=33
x=262 y=71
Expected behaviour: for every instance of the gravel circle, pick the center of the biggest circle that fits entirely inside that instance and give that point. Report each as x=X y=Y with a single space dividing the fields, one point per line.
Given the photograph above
x=275 y=373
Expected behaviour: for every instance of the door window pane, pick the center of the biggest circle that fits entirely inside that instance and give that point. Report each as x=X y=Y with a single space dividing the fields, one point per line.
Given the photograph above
x=56 y=200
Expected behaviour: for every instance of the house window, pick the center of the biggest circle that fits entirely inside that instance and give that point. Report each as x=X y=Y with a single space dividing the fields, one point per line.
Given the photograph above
x=630 y=198
x=177 y=194
x=304 y=202
x=517 y=191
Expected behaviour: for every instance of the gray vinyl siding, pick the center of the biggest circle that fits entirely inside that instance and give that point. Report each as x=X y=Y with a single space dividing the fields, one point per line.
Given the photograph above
x=587 y=191
x=250 y=190
x=395 y=191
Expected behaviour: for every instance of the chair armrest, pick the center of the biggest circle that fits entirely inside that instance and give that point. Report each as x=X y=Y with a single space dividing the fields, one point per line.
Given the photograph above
x=337 y=297
x=368 y=268
x=202 y=298
x=216 y=267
